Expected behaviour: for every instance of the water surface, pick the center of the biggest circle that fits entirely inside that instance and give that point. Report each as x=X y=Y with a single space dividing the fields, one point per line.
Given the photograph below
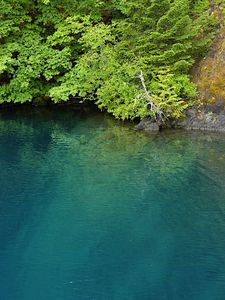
x=90 y=209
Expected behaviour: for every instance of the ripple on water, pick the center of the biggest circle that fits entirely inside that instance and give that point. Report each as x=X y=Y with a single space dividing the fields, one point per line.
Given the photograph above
x=90 y=209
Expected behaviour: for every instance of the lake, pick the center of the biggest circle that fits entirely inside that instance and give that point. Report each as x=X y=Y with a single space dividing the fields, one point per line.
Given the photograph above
x=91 y=209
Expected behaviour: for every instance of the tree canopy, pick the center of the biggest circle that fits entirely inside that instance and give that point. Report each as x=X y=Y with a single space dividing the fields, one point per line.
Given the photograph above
x=96 y=50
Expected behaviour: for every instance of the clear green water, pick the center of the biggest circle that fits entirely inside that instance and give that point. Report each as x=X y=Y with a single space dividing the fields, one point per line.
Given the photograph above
x=90 y=209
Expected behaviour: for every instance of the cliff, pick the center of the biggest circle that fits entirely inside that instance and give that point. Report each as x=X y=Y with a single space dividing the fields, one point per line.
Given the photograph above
x=209 y=74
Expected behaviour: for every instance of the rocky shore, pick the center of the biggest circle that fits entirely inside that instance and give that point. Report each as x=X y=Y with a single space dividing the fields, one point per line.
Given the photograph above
x=208 y=118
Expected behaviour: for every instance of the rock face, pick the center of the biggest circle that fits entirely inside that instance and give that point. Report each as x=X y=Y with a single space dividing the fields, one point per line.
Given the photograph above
x=209 y=74
x=208 y=118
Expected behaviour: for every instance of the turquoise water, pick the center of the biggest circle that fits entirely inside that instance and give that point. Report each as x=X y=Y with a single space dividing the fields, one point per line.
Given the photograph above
x=90 y=209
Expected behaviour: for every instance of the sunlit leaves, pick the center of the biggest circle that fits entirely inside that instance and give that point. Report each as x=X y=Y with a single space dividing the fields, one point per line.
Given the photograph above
x=96 y=49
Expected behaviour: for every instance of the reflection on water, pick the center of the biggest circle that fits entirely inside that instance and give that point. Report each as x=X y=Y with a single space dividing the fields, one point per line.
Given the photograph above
x=90 y=209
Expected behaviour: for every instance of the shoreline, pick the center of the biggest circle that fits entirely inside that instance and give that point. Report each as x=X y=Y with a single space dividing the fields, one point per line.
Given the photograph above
x=209 y=118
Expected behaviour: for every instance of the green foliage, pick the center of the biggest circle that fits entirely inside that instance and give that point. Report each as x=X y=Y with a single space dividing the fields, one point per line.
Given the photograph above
x=200 y=6
x=96 y=50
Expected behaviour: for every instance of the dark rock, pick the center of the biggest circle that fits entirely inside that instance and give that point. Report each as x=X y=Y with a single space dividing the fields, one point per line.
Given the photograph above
x=208 y=118
x=217 y=107
x=211 y=118
x=152 y=127
x=148 y=124
x=40 y=101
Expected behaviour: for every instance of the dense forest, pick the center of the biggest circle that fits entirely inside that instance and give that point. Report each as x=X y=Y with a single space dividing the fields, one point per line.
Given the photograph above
x=132 y=58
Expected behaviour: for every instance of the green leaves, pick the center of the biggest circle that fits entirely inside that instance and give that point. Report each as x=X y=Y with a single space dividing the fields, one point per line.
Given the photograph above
x=96 y=50
x=97 y=36
x=69 y=31
x=166 y=89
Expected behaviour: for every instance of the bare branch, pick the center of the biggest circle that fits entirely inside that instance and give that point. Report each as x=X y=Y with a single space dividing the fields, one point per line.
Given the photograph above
x=153 y=107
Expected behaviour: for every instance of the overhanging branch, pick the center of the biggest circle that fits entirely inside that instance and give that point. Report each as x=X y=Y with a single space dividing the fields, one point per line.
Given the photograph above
x=153 y=107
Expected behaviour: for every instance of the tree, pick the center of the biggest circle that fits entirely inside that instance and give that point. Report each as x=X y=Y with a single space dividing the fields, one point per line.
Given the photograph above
x=96 y=50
